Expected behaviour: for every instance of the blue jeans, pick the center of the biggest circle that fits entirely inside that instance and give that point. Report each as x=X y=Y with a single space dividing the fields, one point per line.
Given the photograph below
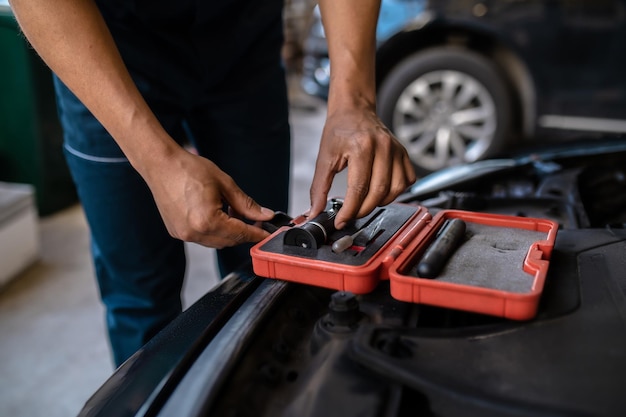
x=139 y=266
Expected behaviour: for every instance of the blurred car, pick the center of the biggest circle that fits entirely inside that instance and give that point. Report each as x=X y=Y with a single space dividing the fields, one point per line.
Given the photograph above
x=463 y=80
x=264 y=347
x=394 y=15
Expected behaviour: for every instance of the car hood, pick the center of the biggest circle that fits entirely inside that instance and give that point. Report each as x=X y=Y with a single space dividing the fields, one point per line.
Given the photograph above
x=265 y=347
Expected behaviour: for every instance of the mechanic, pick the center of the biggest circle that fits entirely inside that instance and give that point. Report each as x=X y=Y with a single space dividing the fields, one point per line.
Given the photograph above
x=139 y=80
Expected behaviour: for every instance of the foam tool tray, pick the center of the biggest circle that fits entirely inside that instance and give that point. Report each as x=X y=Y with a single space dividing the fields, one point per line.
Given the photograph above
x=498 y=266
x=302 y=251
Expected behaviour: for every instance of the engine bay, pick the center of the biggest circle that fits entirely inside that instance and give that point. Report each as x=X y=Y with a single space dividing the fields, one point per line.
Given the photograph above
x=321 y=352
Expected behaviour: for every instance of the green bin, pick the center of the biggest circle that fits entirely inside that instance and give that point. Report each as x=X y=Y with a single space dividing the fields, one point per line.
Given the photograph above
x=30 y=132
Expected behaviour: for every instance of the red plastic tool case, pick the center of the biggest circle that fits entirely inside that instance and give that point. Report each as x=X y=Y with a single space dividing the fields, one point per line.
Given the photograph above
x=498 y=270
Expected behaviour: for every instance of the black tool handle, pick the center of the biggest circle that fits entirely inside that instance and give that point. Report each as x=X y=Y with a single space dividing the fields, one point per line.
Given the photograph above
x=314 y=233
x=442 y=248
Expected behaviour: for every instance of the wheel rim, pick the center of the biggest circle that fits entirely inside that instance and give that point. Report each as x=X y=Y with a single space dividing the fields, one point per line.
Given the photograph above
x=444 y=118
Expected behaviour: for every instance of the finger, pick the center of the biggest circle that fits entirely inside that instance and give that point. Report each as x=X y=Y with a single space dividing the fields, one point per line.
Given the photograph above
x=380 y=184
x=409 y=170
x=320 y=187
x=400 y=180
x=230 y=231
x=244 y=205
x=241 y=232
x=359 y=173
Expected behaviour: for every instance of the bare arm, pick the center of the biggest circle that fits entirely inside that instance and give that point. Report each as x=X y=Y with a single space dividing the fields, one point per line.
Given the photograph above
x=74 y=41
x=378 y=166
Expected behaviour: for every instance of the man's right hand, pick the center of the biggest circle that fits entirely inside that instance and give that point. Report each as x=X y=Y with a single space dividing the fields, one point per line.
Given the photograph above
x=190 y=192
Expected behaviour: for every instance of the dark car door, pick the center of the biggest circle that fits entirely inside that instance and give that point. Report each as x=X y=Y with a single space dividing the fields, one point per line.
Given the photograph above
x=580 y=55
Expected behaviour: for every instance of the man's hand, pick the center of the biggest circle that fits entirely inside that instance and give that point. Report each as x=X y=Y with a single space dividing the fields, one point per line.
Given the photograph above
x=190 y=193
x=379 y=168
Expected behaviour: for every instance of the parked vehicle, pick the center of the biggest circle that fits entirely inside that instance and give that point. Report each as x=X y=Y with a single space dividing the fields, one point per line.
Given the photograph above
x=265 y=347
x=463 y=80
x=394 y=15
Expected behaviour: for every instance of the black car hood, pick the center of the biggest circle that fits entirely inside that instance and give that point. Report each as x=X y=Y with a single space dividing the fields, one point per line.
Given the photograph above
x=264 y=347
x=542 y=159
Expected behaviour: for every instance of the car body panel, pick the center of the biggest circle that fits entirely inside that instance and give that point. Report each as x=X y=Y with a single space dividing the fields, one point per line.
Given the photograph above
x=144 y=381
x=575 y=51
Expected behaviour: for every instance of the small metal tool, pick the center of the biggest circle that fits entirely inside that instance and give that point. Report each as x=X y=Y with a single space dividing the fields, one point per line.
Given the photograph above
x=347 y=241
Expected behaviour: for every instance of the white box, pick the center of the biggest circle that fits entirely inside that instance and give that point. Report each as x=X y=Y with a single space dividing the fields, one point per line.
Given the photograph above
x=19 y=232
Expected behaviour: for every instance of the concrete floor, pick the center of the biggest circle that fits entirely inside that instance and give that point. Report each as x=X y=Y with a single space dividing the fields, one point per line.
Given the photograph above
x=53 y=349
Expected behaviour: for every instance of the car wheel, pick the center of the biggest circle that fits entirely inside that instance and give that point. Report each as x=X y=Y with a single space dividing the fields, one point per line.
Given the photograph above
x=446 y=106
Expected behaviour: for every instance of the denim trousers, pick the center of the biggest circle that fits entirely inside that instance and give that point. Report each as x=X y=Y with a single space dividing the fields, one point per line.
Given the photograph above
x=139 y=267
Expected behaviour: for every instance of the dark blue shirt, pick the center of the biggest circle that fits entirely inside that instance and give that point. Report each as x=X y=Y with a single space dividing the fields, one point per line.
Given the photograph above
x=192 y=50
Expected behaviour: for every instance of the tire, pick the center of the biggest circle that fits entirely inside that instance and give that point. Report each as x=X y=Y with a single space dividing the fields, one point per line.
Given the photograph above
x=447 y=106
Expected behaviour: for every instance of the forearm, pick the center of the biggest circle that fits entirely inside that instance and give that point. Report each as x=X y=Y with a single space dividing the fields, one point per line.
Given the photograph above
x=74 y=41
x=190 y=191
x=350 y=28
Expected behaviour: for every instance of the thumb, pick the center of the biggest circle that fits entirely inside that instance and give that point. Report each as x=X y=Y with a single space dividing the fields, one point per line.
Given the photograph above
x=245 y=206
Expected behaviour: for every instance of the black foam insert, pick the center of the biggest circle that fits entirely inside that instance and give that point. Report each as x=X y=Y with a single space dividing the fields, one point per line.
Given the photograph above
x=378 y=228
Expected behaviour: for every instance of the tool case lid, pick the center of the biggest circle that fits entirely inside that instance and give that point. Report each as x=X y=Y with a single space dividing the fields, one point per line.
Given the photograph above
x=499 y=269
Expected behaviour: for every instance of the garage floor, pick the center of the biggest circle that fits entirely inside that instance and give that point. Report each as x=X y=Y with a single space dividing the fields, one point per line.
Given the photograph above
x=53 y=349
